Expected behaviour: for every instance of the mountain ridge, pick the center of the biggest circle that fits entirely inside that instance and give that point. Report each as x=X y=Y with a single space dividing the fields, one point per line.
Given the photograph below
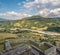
x=3 y=19
x=37 y=18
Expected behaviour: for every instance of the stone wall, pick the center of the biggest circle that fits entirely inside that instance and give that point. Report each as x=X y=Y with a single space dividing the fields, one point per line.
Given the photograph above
x=50 y=51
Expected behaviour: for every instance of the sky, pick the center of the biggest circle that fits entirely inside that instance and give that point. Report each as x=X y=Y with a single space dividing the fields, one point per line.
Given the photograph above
x=17 y=9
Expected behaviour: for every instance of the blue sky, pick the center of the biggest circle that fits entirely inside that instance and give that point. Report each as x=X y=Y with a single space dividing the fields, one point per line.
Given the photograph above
x=17 y=9
x=10 y=5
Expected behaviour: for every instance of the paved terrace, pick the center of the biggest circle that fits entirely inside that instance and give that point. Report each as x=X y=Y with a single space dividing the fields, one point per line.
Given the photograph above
x=17 y=50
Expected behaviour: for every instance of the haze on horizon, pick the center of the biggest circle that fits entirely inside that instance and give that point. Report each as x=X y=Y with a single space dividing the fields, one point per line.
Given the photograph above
x=17 y=9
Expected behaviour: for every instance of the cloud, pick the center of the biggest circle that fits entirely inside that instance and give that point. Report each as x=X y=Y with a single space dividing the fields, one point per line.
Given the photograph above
x=41 y=3
x=13 y=15
x=31 y=4
x=50 y=13
x=42 y=6
x=44 y=12
x=54 y=13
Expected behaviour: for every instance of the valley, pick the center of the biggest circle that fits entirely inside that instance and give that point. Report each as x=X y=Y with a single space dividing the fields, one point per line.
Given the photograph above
x=32 y=28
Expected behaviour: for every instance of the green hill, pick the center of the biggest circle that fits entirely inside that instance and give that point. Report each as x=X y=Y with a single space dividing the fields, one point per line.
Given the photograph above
x=34 y=22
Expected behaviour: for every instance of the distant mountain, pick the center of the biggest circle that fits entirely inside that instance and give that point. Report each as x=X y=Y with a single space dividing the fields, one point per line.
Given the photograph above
x=2 y=19
x=39 y=18
x=57 y=18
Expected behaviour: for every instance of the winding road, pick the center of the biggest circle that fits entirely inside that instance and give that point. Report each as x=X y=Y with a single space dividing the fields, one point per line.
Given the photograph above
x=43 y=32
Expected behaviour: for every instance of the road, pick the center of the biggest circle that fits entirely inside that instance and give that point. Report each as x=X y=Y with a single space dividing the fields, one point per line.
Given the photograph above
x=43 y=32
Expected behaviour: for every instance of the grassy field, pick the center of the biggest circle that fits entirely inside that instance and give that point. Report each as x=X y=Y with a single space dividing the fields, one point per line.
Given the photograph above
x=1 y=47
x=44 y=47
x=23 y=36
x=7 y=35
x=23 y=43
x=4 y=36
